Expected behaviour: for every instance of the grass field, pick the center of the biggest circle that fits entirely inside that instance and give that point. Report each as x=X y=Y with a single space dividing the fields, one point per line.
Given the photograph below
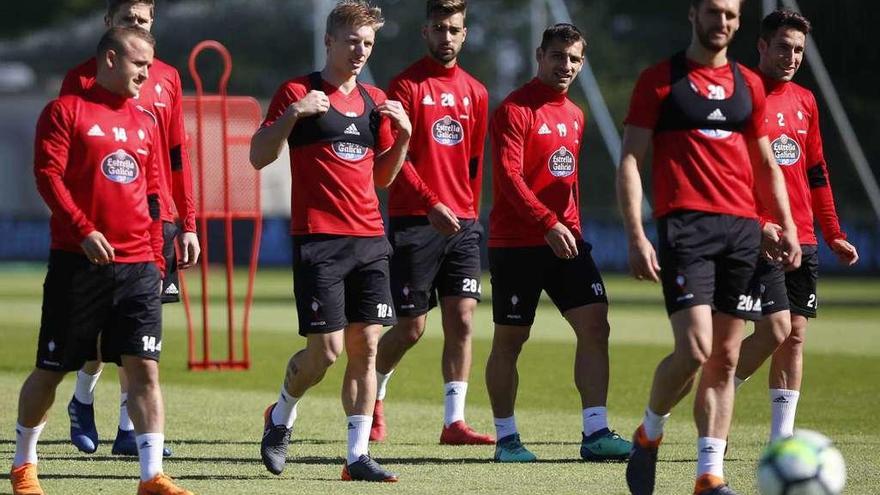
x=214 y=418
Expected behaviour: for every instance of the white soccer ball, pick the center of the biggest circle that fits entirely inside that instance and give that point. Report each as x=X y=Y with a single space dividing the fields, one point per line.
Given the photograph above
x=805 y=463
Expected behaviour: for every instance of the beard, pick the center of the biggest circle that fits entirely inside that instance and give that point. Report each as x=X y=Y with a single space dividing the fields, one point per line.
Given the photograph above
x=707 y=40
x=442 y=55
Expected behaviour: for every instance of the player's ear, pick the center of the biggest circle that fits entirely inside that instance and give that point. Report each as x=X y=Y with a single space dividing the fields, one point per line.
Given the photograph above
x=425 y=27
x=107 y=20
x=762 y=46
x=539 y=53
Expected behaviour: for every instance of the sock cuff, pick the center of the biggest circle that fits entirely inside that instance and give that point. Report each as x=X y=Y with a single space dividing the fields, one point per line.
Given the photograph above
x=651 y=413
x=358 y=418
x=85 y=376
x=35 y=429
x=381 y=375
x=785 y=392
x=595 y=409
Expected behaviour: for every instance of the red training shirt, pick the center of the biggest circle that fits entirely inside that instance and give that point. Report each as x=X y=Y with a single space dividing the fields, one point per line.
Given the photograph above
x=161 y=95
x=449 y=111
x=793 y=125
x=332 y=195
x=536 y=140
x=701 y=170
x=94 y=162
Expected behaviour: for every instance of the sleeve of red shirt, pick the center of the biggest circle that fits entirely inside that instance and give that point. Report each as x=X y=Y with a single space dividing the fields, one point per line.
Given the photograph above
x=181 y=168
x=509 y=130
x=478 y=144
x=51 y=150
x=153 y=199
x=757 y=127
x=409 y=179
x=283 y=98
x=644 y=104
x=820 y=184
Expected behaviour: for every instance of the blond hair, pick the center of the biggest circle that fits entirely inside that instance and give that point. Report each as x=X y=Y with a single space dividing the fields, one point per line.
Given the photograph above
x=354 y=14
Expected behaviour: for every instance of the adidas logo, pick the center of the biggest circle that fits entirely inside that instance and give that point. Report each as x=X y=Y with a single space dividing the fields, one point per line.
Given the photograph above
x=780 y=400
x=543 y=130
x=427 y=100
x=172 y=289
x=451 y=392
x=716 y=116
x=18 y=432
x=353 y=130
x=95 y=131
x=350 y=426
x=708 y=450
x=593 y=415
x=145 y=445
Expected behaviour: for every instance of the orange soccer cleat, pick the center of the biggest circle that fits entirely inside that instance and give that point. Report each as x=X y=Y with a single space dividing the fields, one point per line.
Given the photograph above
x=24 y=480
x=161 y=484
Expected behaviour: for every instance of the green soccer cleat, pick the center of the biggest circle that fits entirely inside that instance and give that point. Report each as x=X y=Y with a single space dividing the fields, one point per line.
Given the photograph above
x=511 y=449
x=604 y=445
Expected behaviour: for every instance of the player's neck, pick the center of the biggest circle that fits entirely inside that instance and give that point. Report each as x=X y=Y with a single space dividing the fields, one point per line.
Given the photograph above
x=446 y=65
x=346 y=82
x=703 y=56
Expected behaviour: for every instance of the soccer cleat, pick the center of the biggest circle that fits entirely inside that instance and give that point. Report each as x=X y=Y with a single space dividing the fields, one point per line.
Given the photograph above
x=273 y=448
x=642 y=466
x=126 y=444
x=604 y=445
x=708 y=484
x=161 y=484
x=24 y=480
x=377 y=431
x=459 y=433
x=83 y=433
x=511 y=449
x=367 y=469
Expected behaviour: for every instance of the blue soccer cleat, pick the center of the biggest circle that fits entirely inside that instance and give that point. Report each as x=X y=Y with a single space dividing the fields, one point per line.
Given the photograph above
x=511 y=449
x=126 y=444
x=604 y=445
x=83 y=432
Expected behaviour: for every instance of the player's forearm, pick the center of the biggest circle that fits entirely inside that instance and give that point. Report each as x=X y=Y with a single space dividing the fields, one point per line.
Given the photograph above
x=774 y=193
x=825 y=212
x=410 y=180
x=389 y=163
x=629 y=197
x=182 y=192
x=60 y=202
x=525 y=202
x=267 y=142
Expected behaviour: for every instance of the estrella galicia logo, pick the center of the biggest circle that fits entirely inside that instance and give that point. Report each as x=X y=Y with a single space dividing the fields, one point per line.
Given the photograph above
x=786 y=150
x=120 y=167
x=447 y=131
x=561 y=162
x=351 y=152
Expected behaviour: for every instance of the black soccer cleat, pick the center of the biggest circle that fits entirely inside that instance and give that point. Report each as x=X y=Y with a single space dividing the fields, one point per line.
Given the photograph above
x=273 y=448
x=718 y=490
x=641 y=468
x=366 y=469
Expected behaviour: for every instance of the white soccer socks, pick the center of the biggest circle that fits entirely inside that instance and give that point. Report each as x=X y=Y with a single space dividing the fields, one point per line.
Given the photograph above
x=125 y=423
x=453 y=401
x=84 y=392
x=653 y=424
x=284 y=412
x=595 y=419
x=783 y=405
x=710 y=456
x=358 y=437
x=382 y=384
x=26 y=444
x=150 y=446
x=504 y=427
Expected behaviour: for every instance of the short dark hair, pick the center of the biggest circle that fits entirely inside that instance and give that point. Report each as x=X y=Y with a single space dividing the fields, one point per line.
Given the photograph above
x=567 y=33
x=115 y=38
x=784 y=18
x=113 y=6
x=696 y=3
x=445 y=7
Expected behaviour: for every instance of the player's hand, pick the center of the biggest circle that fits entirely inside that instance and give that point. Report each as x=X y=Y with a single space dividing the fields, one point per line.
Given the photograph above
x=562 y=242
x=643 y=260
x=443 y=219
x=189 y=250
x=846 y=252
x=314 y=103
x=97 y=249
x=791 y=250
x=770 y=247
x=399 y=120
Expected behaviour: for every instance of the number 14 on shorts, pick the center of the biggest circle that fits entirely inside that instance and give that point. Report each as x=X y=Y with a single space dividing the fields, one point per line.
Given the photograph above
x=150 y=344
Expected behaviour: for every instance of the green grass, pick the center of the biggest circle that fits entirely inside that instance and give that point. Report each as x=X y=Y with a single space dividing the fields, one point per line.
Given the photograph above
x=214 y=418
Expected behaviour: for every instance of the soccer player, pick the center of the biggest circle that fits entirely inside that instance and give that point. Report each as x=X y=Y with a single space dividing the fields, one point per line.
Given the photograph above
x=341 y=145
x=96 y=166
x=704 y=117
x=434 y=210
x=535 y=244
x=789 y=298
x=161 y=96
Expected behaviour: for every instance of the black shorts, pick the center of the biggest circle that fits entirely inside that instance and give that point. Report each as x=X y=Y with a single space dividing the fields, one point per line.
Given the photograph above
x=708 y=258
x=119 y=302
x=427 y=263
x=519 y=275
x=171 y=282
x=339 y=280
x=794 y=290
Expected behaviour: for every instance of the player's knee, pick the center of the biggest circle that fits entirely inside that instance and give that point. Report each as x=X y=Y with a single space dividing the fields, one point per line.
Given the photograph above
x=691 y=358
x=412 y=331
x=595 y=334
x=780 y=329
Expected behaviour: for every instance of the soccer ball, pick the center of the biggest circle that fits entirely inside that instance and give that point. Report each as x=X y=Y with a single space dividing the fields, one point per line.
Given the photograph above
x=805 y=463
